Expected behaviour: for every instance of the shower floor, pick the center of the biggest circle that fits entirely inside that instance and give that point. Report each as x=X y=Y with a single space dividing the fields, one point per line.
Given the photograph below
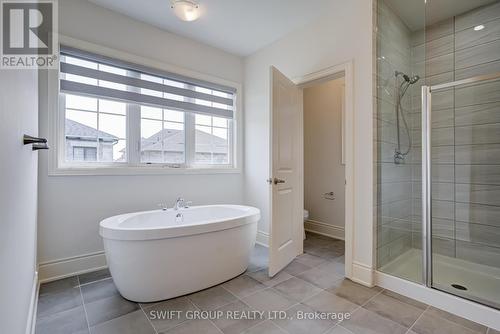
x=482 y=282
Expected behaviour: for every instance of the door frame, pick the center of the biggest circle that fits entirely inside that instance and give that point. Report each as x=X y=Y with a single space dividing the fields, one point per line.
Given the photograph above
x=337 y=71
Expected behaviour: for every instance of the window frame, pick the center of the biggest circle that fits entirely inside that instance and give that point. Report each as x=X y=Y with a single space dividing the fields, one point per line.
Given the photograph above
x=133 y=166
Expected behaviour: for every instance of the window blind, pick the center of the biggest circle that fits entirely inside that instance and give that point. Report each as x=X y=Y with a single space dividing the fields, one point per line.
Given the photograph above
x=88 y=74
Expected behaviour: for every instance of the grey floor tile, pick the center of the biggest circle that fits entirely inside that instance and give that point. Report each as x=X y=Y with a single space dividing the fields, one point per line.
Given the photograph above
x=432 y=324
x=131 y=323
x=243 y=286
x=58 y=300
x=230 y=325
x=492 y=331
x=297 y=289
x=394 y=309
x=70 y=321
x=98 y=290
x=310 y=260
x=263 y=277
x=160 y=315
x=405 y=299
x=94 y=276
x=108 y=308
x=194 y=327
x=339 y=330
x=456 y=319
x=293 y=324
x=212 y=298
x=268 y=300
x=328 y=302
x=367 y=322
x=59 y=285
x=324 y=276
x=266 y=327
x=295 y=268
x=354 y=292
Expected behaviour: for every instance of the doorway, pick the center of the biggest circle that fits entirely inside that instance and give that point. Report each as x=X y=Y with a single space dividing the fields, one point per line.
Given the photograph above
x=324 y=168
x=288 y=168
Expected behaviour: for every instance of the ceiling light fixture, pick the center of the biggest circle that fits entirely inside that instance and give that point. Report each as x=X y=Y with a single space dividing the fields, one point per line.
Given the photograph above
x=479 y=27
x=186 y=10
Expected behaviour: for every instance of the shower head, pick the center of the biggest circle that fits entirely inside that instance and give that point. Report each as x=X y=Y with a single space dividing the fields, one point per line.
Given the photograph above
x=410 y=80
x=414 y=79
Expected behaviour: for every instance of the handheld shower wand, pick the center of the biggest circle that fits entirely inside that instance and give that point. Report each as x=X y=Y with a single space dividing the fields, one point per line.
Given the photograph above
x=399 y=155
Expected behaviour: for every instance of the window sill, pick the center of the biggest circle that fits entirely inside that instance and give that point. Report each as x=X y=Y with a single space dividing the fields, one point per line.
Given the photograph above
x=139 y=170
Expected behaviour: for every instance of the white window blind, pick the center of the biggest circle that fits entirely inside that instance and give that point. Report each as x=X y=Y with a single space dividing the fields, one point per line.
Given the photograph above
x=132 y=86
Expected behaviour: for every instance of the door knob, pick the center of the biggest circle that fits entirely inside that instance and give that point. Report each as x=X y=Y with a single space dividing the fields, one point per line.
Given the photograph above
x=276 y=181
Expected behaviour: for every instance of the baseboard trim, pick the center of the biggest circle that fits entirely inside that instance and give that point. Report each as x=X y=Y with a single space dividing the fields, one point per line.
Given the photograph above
x=262 y=238
x=362 y=274
x=325 y=229
x=31 y=321
x=464 y=308
x=62 y=268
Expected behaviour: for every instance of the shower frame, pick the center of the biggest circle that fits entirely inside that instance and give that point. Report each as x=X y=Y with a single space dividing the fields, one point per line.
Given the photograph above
x=427 y=263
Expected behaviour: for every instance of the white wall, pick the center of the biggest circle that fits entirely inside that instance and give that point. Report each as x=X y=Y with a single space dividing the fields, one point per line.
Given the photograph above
x=18 y=194
x=341 y=35
x=323 y=169
x=71 y=207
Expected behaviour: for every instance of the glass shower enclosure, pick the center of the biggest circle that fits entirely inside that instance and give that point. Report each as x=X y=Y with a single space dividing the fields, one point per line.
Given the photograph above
x=438 y=145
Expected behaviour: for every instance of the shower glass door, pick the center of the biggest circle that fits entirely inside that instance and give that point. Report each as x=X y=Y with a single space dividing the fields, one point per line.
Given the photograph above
x=461 y=187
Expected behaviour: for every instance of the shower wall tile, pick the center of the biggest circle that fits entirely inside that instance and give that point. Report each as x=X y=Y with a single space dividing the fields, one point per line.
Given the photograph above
x=439 y=47
x=443 y=209
x=478 y=93
x=478 y=234
x=437 y=65
x=440 y=155
x=390 y=192
x=439 y=137
x=393 y=188
x=441 y=246
x=440 y=191
x=478 y=194
x=487 y=68
x=439 y=30
x=477 y=134
x=477 y=253
x=390 y=172
x=469 y=37
x=440 y=173
x=482 y=174
x=478 y=154
x=478 y=214
x=477 y=16
x=478 y=114
x=400 y=209
x=477 y=55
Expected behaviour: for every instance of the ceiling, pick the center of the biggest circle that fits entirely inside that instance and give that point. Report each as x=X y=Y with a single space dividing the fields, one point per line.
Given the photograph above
x=240 y=27
x=415 y=15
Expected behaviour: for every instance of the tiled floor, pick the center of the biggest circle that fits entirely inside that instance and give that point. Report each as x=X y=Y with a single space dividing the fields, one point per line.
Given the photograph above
x=311 y=284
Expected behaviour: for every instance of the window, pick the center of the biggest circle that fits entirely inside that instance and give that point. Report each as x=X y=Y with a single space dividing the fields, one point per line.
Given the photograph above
x=122 y=114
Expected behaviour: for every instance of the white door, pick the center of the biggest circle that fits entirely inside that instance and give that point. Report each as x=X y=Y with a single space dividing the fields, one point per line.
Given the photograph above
x=18 y=197
x=286 y=172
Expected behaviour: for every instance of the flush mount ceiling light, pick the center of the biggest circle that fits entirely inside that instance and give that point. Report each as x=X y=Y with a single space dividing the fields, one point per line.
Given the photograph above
x=186 y=10
x=479 y=27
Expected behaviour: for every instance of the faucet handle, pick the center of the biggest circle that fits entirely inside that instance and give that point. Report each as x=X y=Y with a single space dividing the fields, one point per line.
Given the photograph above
x=162 y=206
x=187 y=204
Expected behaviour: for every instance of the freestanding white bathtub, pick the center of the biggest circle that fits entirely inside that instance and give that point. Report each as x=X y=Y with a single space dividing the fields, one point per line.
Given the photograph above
x=157 y=255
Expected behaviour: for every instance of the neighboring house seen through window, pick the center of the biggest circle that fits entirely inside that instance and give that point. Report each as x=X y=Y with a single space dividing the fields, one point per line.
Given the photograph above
x=116 y=114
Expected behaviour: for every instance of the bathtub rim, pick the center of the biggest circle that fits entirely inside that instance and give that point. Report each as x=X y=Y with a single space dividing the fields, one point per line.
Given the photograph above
x=109 y=227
